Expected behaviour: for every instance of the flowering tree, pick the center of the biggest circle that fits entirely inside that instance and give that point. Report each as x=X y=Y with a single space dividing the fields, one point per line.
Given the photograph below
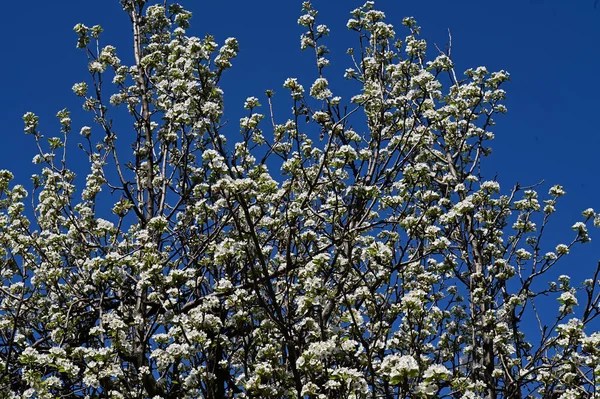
x=374 y=262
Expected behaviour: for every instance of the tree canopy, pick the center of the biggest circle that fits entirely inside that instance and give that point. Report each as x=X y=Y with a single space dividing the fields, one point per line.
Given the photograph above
x=350 y=248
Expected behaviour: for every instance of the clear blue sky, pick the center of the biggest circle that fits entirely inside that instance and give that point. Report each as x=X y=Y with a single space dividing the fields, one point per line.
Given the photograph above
x=550 y=47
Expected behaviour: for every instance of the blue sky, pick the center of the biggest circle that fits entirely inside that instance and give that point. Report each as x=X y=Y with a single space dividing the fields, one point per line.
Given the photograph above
x=550 y=47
